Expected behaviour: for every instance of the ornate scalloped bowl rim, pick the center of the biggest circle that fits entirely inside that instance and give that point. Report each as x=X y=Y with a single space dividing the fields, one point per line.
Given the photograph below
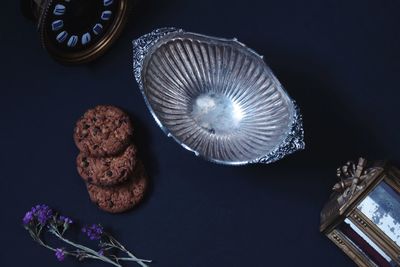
x=294 y=139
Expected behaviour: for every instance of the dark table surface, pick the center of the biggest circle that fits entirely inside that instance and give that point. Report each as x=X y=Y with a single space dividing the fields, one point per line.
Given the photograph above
x=338 y=59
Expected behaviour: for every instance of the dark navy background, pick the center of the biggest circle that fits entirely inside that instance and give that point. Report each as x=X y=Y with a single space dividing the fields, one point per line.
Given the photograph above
x=339 y=59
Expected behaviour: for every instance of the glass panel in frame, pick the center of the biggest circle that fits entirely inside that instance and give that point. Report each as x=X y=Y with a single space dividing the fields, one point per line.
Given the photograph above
x=382 y=207
x=365 y=245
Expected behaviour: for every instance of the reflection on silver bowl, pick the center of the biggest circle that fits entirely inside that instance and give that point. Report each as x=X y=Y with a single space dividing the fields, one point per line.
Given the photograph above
x=216 y=97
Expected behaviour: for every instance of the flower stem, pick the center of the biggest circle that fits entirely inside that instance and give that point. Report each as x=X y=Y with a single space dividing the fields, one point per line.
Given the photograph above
x=93 y=254
x=119 y=246
x=130 y=259
x=37 y=239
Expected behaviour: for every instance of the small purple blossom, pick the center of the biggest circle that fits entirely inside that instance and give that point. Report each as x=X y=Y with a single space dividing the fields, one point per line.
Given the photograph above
x=101 y=252
x=28 y=218
x=94 y=232
x=65 y=220
x=60 y=254
x=43 y=213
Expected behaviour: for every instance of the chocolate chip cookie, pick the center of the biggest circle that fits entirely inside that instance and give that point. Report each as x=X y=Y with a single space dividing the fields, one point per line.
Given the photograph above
x=103 y=131
x=121 y=197
x=107 y=171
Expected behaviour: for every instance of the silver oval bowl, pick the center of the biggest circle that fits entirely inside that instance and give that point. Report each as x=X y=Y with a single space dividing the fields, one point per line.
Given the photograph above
x=216 y=97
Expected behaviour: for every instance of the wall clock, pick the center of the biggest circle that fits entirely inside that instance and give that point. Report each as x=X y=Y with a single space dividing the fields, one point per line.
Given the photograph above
x=77 y=31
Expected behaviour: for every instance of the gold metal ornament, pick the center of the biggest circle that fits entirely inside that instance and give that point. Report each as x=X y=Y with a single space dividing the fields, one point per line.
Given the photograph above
x=362 y=216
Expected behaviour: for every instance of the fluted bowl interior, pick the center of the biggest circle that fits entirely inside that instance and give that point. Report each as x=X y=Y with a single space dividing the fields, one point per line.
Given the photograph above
x=216 y=97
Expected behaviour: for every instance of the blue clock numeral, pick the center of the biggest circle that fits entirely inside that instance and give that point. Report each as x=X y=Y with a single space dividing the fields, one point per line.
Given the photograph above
x=107 y=2
x=57 y=25
x=59 y=10
x=62 y=36
x=73 y=40
x=86 y=38
x=98 y=28
x=106 y=15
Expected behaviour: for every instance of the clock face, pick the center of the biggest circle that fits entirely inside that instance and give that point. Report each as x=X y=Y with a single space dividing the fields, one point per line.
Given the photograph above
x=76 y=29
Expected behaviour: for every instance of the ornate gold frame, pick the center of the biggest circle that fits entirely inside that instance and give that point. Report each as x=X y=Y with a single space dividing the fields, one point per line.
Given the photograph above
x=38 y=12
x=334 y=214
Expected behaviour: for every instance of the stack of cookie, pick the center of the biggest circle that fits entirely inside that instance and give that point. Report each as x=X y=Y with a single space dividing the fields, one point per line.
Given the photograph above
x=107 y=162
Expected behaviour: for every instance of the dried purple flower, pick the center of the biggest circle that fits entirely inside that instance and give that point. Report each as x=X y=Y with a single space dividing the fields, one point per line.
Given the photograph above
x=43 y=213
x=94 y=232
x=65 y=220
x=101 y=252
x=60 y=254
x=41 y=219
x=28 y=218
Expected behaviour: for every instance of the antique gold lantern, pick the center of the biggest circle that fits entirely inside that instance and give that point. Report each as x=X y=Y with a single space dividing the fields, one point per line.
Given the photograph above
x=362 y=216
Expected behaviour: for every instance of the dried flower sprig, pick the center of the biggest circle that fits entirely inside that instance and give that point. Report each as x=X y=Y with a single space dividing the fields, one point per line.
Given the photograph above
x=42 y=218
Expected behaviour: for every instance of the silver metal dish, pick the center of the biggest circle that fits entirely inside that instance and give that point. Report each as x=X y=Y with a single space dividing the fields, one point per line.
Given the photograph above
x=216 y=97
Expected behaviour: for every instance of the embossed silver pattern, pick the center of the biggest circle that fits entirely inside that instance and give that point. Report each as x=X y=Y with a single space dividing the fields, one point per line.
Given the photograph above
x=216 y=97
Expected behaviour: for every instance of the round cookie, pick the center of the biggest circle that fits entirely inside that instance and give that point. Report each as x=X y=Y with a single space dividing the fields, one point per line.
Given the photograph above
x=103 y=131
x=121 y=197
x=107 y=171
